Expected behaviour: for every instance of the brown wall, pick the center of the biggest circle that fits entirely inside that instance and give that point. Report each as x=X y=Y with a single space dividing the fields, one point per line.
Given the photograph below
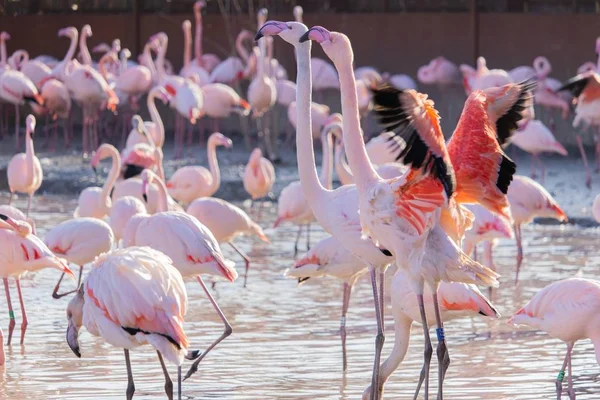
x=398 y=42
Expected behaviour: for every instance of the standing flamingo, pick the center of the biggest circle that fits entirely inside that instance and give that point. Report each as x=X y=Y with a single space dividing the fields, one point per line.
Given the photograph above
x=226 y=222
x=133 y=297
x=190 y=182
x=220 y=101
x=155 y=127
x=24 y=171
x=207 y=61
x=234 y=69
x=259 y=176
x=565 y=310
x=192 y=247
x=439 y=71
x=528 y=199
x=79 y=241
x=457 y=300
x=121 y=212
x=190 y=69
x=22 y=251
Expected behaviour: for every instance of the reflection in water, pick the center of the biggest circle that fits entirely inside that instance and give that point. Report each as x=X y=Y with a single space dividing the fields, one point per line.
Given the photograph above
x=285 y=342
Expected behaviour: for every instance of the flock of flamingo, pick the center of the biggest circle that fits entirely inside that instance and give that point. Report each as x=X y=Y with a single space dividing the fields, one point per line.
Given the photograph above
x=407 y=197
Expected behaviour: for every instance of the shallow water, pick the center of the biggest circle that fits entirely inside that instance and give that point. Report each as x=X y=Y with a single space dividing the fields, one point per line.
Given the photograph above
x=285 y=343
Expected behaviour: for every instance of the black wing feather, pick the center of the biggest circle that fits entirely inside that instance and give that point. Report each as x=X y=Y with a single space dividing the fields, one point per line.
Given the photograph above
x=576 y=84
x=507 y=124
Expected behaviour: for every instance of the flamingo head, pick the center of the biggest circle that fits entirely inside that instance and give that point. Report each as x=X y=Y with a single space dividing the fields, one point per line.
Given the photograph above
x=542 y=67
x=86 y=30
x=198 y=6
x=116 y=45
x=147 y=179
x=4 y=36
x=186 y=26
x=69 y=32
x=291 y=32
x=298 y=12
x=220 y=140
x=255 y=156
x=104 y=151
x=125 y=54
x=101 y=48
x=30 y=124
x=262 y=16
x=336 y=45
x=75 y=320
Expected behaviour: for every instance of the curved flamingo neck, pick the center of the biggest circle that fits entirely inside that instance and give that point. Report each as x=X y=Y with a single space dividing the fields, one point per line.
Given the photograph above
x=362 y=169
x=29 y=154
x=187 y=45
x=160 y=59
x=341 y=167
x=311 y=186
x=402 y=326
x=162 y=203
x=260 y=67
x=160 y=170
x=326 y=176
x=239 y=46
x=124 y=58
x=155 y=116
x=115 y=170
x=150 y=62
x=2 y=52
x=213 y=165
x=101 y=64
x=198 y=41
x=72 y=48
x=86 y=57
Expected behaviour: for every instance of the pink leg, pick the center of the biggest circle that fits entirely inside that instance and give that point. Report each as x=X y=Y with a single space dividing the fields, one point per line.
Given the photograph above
x=345 y=304
x=190 y=134
x=442 y=349
x=29 y=204
x=533 y=175
x=246 y=260
x=17 y=130
x=12 y=194
x=11 y=313
x=23 y=313
x=519 y=251
x=227 y=332
x=563 y=370
x=588 y=181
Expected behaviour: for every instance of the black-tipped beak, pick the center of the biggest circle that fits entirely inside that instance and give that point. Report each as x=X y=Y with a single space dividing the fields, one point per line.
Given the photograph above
x=95 y=171
x=72 y=339
x=258 y=36
x=145 y=197
x=304 y=37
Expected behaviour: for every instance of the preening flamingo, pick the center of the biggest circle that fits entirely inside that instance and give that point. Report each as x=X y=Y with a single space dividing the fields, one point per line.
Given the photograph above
x=528 y=200
x=259 y=176
x=22 y=251
x=535 y=138
x=192 y=247
x=79 y=241
x=133 y=297
x=57 y=104
x=226 y=222
x=24 y=170
x=192 y=181
x=565 y=310
x=457 y=300
x=329 y=258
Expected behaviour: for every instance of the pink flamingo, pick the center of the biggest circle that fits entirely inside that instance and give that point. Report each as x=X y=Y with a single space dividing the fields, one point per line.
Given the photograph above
x=22 y=251
x=24 y=170
x=457 y=300
x=193 y=181
x=535 y=138
x=190 y=69
x=330 y=258
x=57 y=104
x=121 y=212
x=207 y=61
x=234 y=69
x=565 y=310
x=259 y=176
x=220 y=101
x=262 y=92
x=226 y=222
x=439 y=71
x=487 y=226
x=133 y=297
x=155 y=126
x=192 y=247
x=134 y=81
x=35 y=70
x=292 y=205
x=17 y=215
x=79 y=241
x=528 y=200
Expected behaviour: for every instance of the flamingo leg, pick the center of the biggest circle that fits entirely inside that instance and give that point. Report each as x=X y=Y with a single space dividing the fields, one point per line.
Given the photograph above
x=56 y=295
x=17 y=130
x=28 y=204
x=428 y=351
x=519 y=251
x=533 y=174
x=168 y=381
x=11 y=313
x=571 y=391
x=308 y=237
x=442 y=349
x=297 y=240
x=11 y=198
x=488 y=260
x=23 y=313
x=561 y=373
x=246 y=260
x=179 y=382
x=345 y=304
x=380 y=338
x=130 y=385
x=588 y=174
x=542 y=169
x=227 y=332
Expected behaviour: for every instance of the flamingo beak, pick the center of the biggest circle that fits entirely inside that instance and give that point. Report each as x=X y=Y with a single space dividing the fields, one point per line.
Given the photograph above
x=73 y=338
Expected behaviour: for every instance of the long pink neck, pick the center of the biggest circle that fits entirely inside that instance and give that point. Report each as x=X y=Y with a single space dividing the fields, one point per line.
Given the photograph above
x=72 y=48
x=402 y=326
x=113 y=175
x=341 y=167
x=213 y=165
x=198 y=42
x=187 y=45
x=150 y=62
x=326 y=176
x=29 y=155
x=362 y=169
x=239 y=45
x=162 y=203
x=311 y=186
x=86 y=57
x=2 y=52
x=160 y=59
x=155 y=116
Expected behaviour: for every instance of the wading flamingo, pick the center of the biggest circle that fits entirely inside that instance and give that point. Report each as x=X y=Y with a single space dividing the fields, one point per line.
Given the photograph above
x=152 y=302
x=24 y=170
x=565 y=310
x=22 y=251
x=190 y=182
x=79 y=241
x=226 y=222
x=259 y=177
x=528 y=200
x=192 y=247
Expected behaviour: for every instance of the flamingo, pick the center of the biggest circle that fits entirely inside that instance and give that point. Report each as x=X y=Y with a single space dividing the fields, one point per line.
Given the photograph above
x=24 y=170
x=233 y=69
x=57 y=104
x=439 y=71
x=22 y=251
x=329 y=258
x=487 y=226
x=190 y=69
x=35 y=70
x=262 y=92
x=493 y=114
x=144 y=154
x=190 y=182
x=596 y=208
x=133 y=297
x=18 y=215
x=133 y=81
x=292 y=204
x=565 y=310
x=221 y=101
x=399 y=81
x=259 y=176
x=535 y=138
x=528 y=200
x=155 y=127
x=226 y=222
x=79 y=241
x=192 y=247
x=121 y=212
x=457 y=300
x=207 y=61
